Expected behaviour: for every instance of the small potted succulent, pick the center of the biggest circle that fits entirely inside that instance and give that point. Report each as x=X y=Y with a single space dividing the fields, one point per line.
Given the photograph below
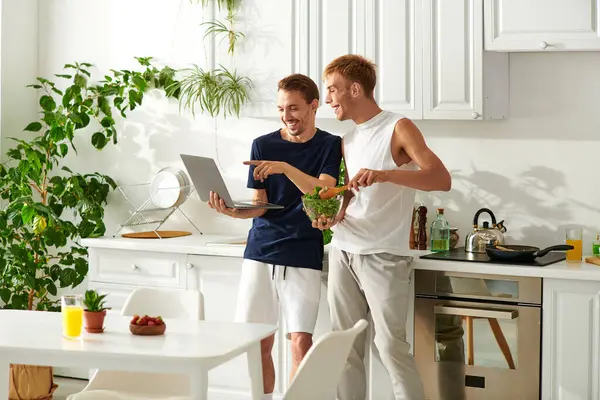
x=94 y=311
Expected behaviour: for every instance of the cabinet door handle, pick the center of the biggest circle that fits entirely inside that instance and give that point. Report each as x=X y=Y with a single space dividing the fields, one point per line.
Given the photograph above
x=475 y=115
x=476 y=312
x=134 y=267
x=190 y=265
x=543 y=45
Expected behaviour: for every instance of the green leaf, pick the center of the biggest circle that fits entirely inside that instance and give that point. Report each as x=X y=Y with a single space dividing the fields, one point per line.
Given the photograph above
x=51 y=287
x=39 y=224
x=67 y=277
x=81 y=266
x=33 y=127
x=5 y=295
x=85 y=120
x=27 y=214
x=67 y=97
x=64 y=76
x=47 y=103
x=140 y=82
x=107 y=122
x=63 y=149
x=104 y=106
x=80 y=81
x=99 y=140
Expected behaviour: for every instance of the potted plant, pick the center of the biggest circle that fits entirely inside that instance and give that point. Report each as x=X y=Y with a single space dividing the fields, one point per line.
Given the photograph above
x=94 y=311
x=46 y=207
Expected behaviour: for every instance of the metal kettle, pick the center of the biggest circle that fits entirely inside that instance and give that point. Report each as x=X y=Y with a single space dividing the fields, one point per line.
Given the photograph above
x=480 y=237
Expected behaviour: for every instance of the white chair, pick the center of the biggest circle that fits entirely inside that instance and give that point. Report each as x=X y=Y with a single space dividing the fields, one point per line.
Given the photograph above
x=321 y=369
x=317 y=376
x=168 y=303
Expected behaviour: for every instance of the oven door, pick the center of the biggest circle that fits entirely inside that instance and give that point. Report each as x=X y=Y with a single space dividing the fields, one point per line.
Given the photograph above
x=475 y=350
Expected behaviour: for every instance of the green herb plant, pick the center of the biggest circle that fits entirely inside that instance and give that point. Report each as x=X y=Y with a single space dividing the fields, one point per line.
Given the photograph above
x=47 y=207
x=217 y=91
x=94 y=301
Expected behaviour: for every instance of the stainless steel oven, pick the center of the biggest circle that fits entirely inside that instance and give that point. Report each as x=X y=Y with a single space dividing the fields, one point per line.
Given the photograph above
x=478 y=336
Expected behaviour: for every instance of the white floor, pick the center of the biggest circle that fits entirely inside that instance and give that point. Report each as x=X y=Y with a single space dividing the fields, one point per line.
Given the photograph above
x=67 y=386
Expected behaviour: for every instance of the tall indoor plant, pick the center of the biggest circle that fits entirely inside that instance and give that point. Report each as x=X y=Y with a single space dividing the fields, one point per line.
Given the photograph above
x=47 y=207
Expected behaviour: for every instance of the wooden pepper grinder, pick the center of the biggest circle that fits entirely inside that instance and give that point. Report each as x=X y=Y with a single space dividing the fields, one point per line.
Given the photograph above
x=422 y=230
x=412 y=242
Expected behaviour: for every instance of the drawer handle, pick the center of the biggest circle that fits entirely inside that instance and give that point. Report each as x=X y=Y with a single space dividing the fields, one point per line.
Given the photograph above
x=134 y=267
x=190 y=265
x=476 y=312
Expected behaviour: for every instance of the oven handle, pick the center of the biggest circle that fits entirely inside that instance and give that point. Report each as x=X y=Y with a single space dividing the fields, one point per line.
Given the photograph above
x=476 y=312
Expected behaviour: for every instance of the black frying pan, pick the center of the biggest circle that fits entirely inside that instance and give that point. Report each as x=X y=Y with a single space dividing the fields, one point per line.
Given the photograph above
x=521 y=253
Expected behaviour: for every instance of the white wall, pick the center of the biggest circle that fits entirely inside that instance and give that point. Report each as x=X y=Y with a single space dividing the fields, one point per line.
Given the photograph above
x=18 y=68
x=538 y=170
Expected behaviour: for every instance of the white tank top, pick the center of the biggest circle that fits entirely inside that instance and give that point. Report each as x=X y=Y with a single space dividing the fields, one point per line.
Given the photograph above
x=378 y=217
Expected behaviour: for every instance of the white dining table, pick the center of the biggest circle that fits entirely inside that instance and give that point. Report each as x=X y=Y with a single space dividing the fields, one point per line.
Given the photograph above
x=187 y=347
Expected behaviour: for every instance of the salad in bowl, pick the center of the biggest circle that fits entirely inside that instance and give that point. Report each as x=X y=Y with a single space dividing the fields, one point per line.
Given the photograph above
x=321 y=202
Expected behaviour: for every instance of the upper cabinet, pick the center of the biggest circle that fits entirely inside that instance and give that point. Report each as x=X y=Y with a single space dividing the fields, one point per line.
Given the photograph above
x=542 y=25
x=460 y=80
x=429 y=53
x=387 y=33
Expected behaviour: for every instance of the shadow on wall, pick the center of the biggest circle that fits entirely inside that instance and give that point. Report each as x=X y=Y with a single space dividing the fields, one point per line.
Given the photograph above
x=535 y=206
x=151 y=138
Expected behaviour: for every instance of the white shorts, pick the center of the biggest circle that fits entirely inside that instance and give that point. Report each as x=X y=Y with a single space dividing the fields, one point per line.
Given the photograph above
x=264 y=287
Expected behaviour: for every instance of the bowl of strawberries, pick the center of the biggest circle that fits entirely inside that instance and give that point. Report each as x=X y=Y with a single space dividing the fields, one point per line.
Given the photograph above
x=147 y=326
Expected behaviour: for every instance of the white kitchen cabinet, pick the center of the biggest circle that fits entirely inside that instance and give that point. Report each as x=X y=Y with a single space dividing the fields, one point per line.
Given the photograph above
x=429 y=54
x=388 y=33
x=460 y=80
x=571 y=340
x=542 y=25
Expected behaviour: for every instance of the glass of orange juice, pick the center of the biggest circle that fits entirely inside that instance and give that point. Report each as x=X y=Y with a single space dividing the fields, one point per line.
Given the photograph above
x=574 y=238
x=72 y=315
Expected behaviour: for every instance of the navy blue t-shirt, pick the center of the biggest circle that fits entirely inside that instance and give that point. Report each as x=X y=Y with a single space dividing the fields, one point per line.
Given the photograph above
x=286 y=236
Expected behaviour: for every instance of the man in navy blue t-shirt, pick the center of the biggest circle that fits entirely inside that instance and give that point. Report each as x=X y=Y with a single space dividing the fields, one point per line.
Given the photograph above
x=284 y=253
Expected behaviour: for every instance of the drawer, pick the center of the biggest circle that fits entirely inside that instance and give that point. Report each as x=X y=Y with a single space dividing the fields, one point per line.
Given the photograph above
x=140 y=268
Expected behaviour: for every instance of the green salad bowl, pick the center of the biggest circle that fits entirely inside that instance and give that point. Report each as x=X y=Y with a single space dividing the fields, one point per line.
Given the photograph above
x=315 y=208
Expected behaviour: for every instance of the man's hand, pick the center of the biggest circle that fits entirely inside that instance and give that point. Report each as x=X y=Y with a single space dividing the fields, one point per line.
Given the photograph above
x=265 y=168
x=365 y=177
x=216 y=203
x=324 y=223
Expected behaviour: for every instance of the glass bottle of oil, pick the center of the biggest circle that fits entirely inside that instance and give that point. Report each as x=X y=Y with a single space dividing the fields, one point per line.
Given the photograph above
x=440 y=233
x=596 y=246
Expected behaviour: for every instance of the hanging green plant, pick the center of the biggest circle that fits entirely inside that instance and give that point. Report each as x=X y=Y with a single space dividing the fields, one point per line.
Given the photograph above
x=218 y=28
x=229 y=4
x=215 y=91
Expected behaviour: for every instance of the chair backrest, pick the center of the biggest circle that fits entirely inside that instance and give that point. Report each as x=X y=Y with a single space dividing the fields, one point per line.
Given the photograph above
x=168 y=303
x=321 y=369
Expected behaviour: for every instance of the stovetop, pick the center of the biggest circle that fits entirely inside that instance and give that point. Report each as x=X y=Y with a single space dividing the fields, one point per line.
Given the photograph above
x=459 y=254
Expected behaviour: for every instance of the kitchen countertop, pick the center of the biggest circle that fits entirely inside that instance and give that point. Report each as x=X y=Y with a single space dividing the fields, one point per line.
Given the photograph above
x=214 y=245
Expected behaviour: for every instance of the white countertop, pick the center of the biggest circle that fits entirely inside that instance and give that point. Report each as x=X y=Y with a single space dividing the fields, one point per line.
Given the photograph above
x=204 y=245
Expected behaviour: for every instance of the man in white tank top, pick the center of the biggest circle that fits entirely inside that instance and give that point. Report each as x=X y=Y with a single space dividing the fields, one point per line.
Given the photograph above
x=387 y=160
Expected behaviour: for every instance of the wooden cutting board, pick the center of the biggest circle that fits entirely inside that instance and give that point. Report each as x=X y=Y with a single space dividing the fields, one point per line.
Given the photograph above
x=156 y=234
x=593 y=260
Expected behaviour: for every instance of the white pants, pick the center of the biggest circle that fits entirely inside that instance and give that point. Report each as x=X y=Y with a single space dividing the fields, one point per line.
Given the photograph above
x=379 y=283
x=266 y=287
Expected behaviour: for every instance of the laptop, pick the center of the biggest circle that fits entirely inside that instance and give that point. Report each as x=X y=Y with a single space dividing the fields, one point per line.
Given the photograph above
x=207 y=178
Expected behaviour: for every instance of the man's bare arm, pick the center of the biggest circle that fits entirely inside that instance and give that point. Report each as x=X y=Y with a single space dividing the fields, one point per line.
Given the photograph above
x=304 y=182
x=307 y=183
x=218 y=204
x=432 y=174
